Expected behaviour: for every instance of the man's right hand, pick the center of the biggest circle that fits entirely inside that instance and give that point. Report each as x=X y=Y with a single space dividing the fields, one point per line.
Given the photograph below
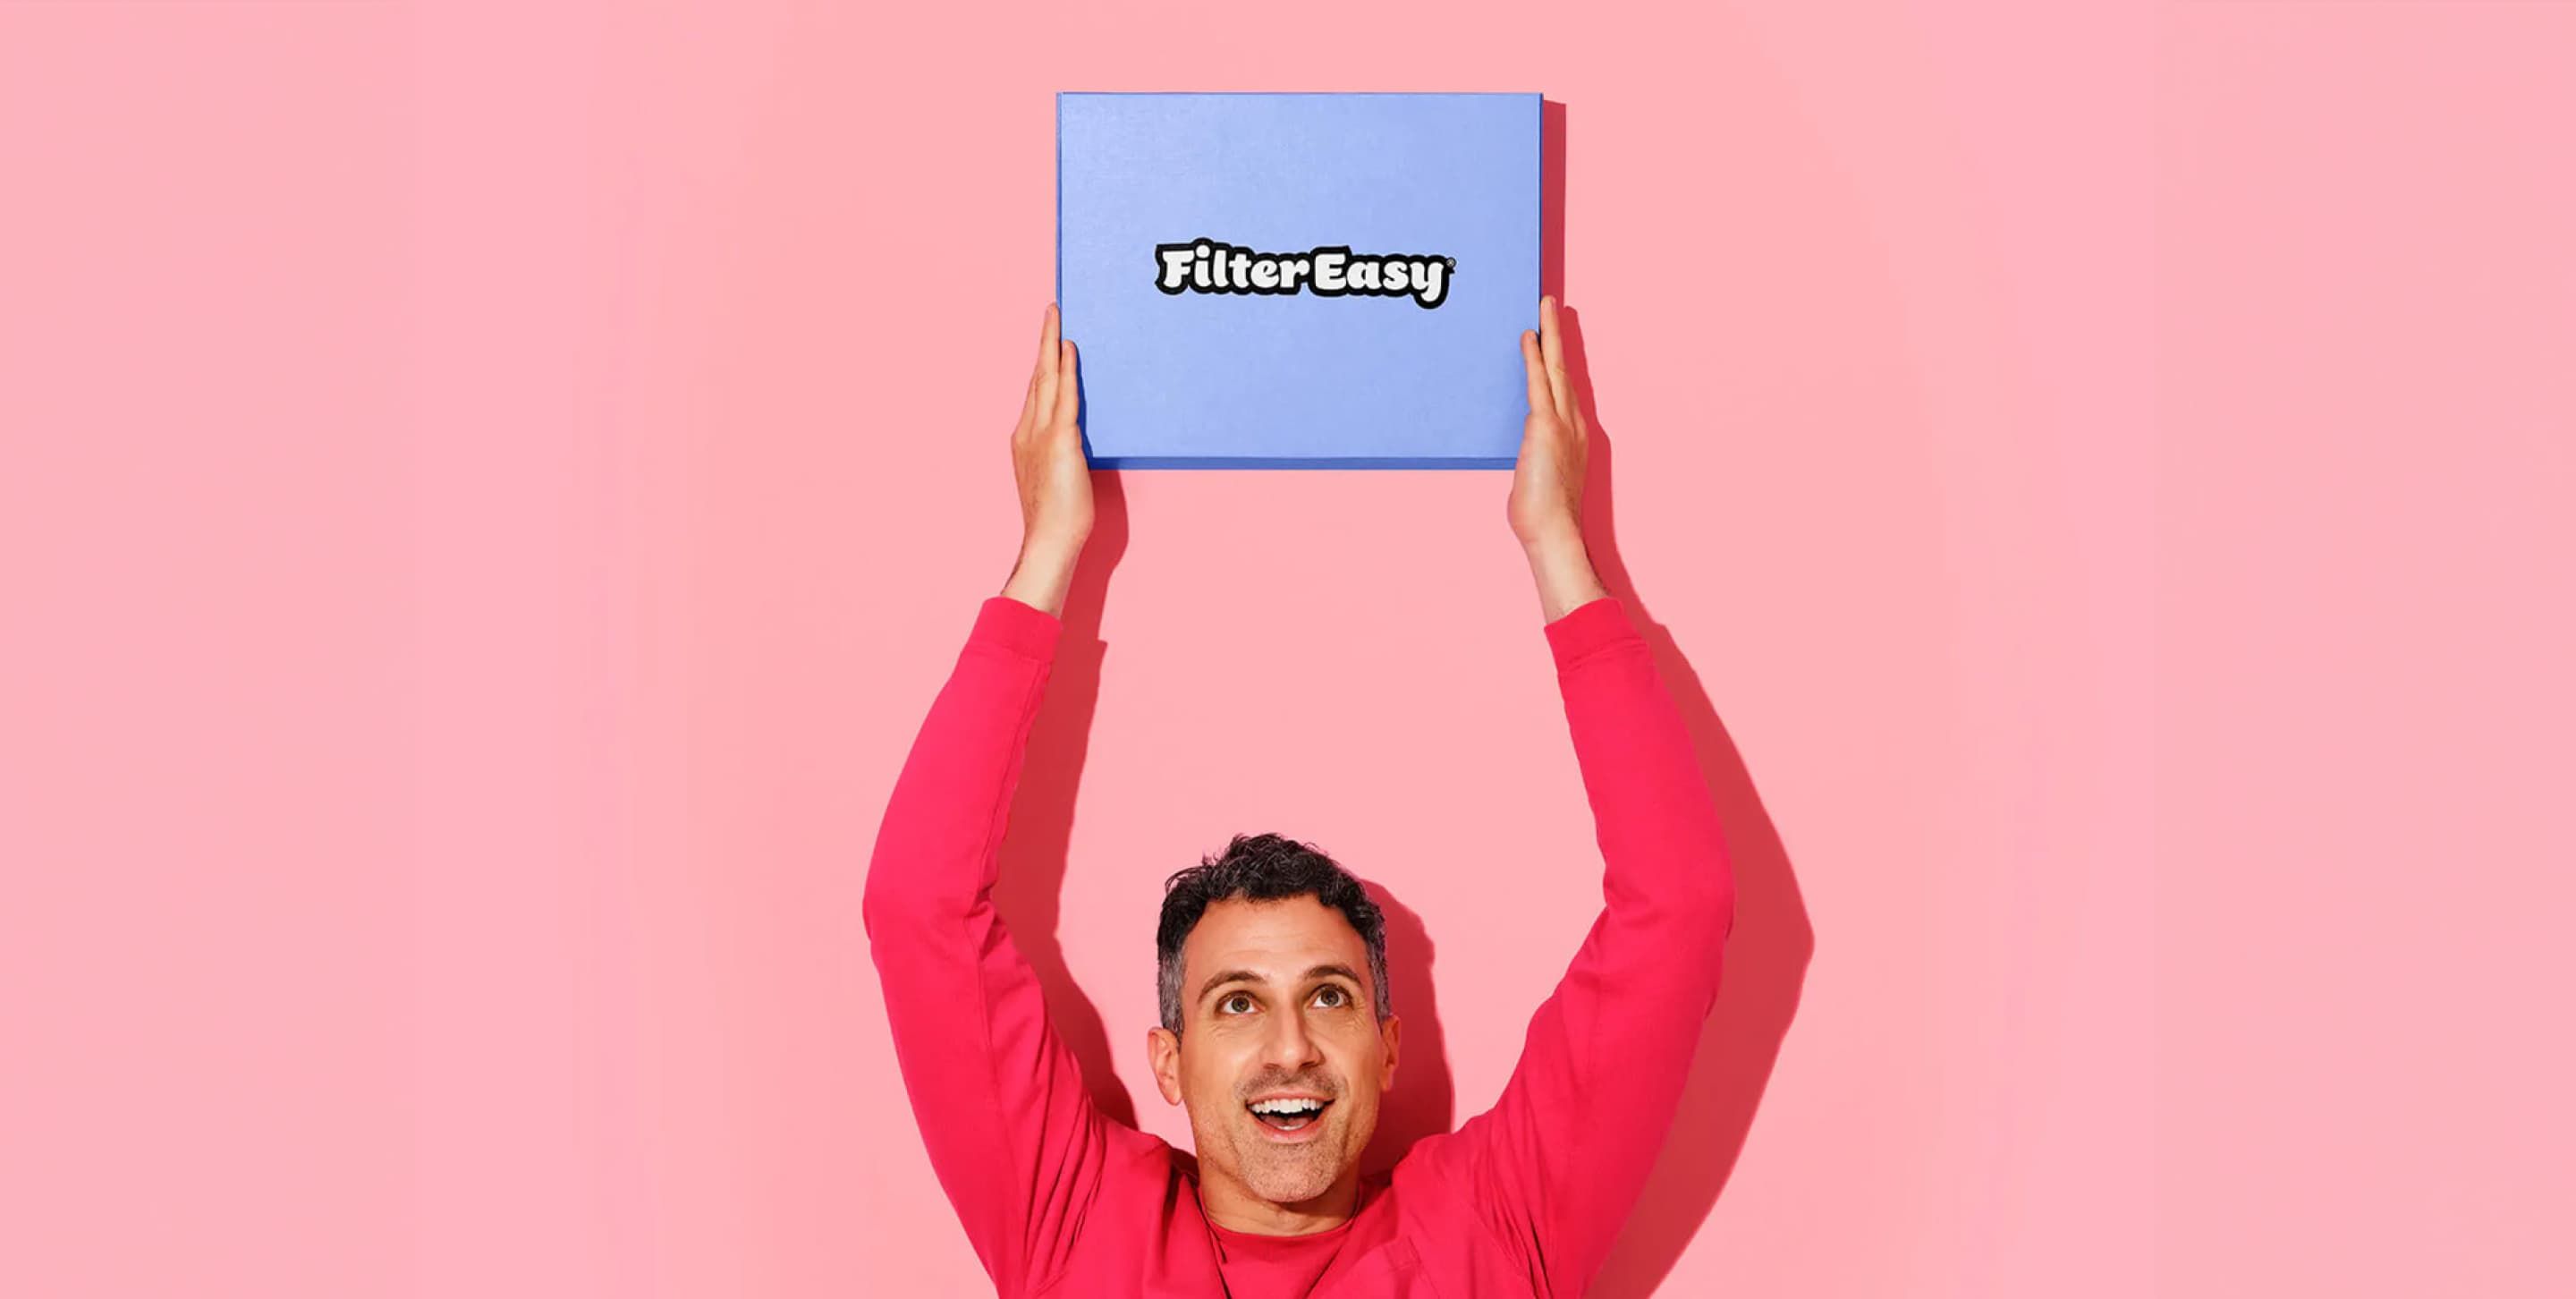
x=1546 y=503
x=1054 y=477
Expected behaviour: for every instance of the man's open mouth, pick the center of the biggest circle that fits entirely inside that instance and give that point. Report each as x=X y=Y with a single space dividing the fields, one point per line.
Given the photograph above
x=1289 y=1113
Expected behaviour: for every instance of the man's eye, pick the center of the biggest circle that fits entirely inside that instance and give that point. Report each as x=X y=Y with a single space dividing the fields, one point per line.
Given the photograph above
x=1247 y=1002
x=1339 y=997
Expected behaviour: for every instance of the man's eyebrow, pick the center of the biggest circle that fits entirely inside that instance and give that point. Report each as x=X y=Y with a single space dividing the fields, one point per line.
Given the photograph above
x=1224 y=977
x=1228 y=976
x=1322 y=971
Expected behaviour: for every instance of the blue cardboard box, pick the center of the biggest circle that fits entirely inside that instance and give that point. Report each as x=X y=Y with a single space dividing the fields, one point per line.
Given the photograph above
x=1299 y=280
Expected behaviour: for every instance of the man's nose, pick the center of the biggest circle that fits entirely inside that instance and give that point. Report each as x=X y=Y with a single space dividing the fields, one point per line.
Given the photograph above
x=1289 y=1045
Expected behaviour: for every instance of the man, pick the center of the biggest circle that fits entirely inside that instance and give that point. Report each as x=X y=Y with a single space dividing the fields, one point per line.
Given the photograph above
x=1278 y=1036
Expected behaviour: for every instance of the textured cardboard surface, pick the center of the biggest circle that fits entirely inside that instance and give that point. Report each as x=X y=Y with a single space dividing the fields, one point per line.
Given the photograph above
x=1205 y=375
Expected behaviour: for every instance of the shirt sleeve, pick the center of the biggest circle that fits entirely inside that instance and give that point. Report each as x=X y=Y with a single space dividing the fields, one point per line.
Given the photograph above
x=1012 y=1133
x=1560 y=1159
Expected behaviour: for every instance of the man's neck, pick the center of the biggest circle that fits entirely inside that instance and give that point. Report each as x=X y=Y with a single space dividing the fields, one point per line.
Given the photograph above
x=1235 y=1208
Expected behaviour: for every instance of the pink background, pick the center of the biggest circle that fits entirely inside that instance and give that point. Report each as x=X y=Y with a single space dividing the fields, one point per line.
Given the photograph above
x=490 y=491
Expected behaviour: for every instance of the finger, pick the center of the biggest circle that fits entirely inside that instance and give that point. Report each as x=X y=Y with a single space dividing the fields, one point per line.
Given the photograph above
x=1028 y=405
x=1046 y=342
x=1048 y=346
x=1068 y=391
x=1551 y=343
x=1541 y=398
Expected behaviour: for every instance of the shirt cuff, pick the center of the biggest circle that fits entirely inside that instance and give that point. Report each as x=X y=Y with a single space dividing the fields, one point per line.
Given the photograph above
x=1025 y=630
x=1589 y=627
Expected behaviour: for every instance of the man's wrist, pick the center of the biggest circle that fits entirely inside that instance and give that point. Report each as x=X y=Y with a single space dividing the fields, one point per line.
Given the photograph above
x=1563 y=569
x=1044 y=573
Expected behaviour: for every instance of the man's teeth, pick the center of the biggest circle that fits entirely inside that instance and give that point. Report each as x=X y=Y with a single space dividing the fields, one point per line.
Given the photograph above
x=1288 y=1107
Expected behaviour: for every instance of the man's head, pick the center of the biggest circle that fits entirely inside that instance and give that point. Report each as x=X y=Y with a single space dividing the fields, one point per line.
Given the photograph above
x=1272 y=966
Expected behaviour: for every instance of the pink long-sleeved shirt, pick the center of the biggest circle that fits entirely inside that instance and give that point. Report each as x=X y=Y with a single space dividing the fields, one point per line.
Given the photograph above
x=1523 y=1199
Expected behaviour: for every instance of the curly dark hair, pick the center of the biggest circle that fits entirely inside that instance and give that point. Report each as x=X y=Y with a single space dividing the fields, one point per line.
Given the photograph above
x=1262 y=868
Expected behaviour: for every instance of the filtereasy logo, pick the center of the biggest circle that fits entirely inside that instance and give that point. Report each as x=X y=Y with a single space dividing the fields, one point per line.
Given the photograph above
x=1332 y=271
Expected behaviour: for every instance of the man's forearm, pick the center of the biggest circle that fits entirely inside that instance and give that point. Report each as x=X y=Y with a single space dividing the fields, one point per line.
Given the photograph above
x=1044 y=574
x=1013 y=1135
x=1563 y=569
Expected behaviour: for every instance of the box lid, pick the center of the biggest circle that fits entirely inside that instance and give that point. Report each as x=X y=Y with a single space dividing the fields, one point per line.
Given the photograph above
x=1299 y=280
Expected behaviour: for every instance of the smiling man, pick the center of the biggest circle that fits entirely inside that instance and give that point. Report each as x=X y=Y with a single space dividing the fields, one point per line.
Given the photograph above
x=1278 y=1033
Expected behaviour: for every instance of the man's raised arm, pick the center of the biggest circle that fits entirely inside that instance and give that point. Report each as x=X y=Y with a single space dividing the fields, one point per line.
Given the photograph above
x=1559 y=1160
x=1013 y=1135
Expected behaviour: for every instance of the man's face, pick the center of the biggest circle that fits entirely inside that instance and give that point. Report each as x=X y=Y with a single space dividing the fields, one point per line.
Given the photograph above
x=1276 y=1003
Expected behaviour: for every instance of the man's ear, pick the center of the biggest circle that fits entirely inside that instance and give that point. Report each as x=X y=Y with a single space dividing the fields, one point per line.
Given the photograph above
x=1393 y=1031
x=1163 y=1052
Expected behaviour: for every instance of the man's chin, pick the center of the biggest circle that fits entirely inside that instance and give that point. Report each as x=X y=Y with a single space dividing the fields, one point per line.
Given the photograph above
x=1293 y=1174
x=1289 y=1190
